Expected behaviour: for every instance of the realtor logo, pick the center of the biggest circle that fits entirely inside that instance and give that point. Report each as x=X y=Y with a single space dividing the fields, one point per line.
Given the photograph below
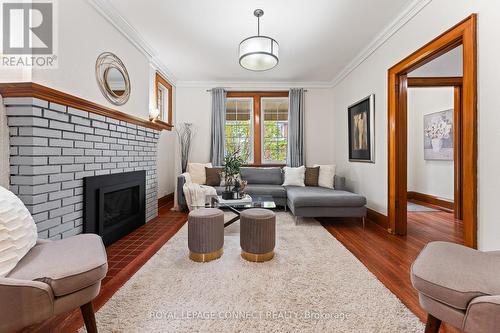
x=28 y=34
x=27 y=28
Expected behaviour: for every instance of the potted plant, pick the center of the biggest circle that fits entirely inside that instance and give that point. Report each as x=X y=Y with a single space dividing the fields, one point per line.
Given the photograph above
x=232 y=165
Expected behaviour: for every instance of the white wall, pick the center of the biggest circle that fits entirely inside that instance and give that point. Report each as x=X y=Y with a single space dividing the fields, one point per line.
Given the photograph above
x=166 y=163
x=319 y=127
x=83 y=34
x=16 y=74
x=448 y=64
x=429 y=177
x=371 y=77
x=194 y=105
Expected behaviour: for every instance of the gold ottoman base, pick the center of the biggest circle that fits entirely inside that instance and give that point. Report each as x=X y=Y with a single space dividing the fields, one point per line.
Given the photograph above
x=206 y=257
x=257 y=257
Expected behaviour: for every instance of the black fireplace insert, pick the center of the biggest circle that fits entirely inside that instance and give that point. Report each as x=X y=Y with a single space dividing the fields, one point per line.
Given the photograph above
x=114 y=205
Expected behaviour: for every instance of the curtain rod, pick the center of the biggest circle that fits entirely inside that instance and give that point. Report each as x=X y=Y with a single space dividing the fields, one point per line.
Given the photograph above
x=210 y=90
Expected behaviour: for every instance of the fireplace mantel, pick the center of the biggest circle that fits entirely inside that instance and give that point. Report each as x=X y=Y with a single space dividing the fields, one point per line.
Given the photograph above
x=31 y=89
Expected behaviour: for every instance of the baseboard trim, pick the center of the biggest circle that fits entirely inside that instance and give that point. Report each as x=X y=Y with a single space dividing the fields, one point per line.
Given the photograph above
x=165 y=200
x=444 y=204
x=377 y=218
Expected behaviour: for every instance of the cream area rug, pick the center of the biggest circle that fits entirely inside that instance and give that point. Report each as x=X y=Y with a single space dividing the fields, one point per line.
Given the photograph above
x=313 y=284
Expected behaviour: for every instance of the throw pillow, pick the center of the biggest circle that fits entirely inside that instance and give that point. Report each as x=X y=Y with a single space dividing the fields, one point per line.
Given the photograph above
x=312 y=175
x=213 y=176
x=197 y=172
x=326 y=176
x=17 y=230
x=187 y=177
x=294 y=176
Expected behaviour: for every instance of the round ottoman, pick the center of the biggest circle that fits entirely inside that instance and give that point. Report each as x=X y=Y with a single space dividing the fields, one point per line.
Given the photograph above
x=257 y=234
x=205 y=234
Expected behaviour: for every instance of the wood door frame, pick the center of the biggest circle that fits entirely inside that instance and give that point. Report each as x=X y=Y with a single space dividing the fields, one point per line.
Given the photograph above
x=464 y=33
x=456 y=84
x=423 y=82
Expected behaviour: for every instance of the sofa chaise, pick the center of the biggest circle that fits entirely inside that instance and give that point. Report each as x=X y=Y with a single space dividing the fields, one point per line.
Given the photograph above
x=305 y=201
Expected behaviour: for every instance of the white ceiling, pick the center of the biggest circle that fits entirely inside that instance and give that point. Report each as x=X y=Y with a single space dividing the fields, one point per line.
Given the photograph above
x=198 y=40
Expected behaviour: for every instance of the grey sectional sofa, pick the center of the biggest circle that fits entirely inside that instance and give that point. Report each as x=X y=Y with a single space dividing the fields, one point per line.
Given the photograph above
x=305 y=201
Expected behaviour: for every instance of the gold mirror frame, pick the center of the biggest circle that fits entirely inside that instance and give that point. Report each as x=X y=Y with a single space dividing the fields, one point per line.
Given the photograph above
x=104 y=63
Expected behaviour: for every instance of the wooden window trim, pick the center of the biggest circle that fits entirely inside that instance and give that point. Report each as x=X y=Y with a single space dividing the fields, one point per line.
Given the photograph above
x=160 y=80
x=257 y=131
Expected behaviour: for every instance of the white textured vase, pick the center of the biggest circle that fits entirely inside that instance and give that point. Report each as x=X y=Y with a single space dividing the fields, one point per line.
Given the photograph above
x=17 y=231
x=437 y=144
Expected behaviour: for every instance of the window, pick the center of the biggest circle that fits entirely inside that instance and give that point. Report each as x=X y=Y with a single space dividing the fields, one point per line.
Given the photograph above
x=257 y=124
x=163 y=91
x=275 y=129
x=239 y=123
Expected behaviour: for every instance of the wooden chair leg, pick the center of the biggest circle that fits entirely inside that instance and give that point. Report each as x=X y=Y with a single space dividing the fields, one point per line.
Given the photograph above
x=432 y=325
x=89 y=317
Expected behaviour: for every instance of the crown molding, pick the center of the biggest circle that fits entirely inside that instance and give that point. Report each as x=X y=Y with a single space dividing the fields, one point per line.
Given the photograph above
x=112 y=15
x=400 y=21
x=254 y=84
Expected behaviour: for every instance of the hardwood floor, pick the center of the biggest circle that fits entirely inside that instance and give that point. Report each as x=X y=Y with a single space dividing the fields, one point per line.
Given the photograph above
x=389 y=257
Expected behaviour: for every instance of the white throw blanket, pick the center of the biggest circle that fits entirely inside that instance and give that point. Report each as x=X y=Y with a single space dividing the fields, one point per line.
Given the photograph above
x=196 y=195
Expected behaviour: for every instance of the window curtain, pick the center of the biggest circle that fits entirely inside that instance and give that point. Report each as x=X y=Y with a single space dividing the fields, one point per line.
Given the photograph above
x=217 y=128
x=295 y=155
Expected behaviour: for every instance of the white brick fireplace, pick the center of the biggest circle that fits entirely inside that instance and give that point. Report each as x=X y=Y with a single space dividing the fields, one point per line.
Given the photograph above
x=53 y=147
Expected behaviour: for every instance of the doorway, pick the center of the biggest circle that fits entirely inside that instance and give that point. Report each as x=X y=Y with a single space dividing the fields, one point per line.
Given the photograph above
x=434 y=189
x=434 y=105
x=465 y=182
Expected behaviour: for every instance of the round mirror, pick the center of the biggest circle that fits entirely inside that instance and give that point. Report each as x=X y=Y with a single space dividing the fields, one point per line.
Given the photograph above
x=115 y=81
x=112 y=78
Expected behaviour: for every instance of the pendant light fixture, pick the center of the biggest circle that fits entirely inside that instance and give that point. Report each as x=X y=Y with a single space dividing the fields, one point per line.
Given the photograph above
x=258 y=53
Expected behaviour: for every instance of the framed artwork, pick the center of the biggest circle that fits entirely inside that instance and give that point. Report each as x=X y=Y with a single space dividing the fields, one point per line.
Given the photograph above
x=438 y=136
x=361 y=121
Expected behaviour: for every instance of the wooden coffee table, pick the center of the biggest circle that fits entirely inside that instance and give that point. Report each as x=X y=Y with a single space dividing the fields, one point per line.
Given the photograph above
x=236 y=206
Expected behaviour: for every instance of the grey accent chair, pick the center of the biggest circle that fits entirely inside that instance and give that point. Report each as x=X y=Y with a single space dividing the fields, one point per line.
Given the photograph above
x=458 y=285
x=54 y=277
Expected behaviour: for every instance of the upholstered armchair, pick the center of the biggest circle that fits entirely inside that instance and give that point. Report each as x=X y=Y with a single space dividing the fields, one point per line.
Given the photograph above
x=54 y=277
x=458 y=285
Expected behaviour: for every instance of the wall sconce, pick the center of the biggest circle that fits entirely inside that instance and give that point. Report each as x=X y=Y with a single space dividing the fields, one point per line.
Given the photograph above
x=153 y=114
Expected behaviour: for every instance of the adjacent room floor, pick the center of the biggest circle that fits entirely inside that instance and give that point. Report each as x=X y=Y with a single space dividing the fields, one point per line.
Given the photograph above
x=387 y=256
